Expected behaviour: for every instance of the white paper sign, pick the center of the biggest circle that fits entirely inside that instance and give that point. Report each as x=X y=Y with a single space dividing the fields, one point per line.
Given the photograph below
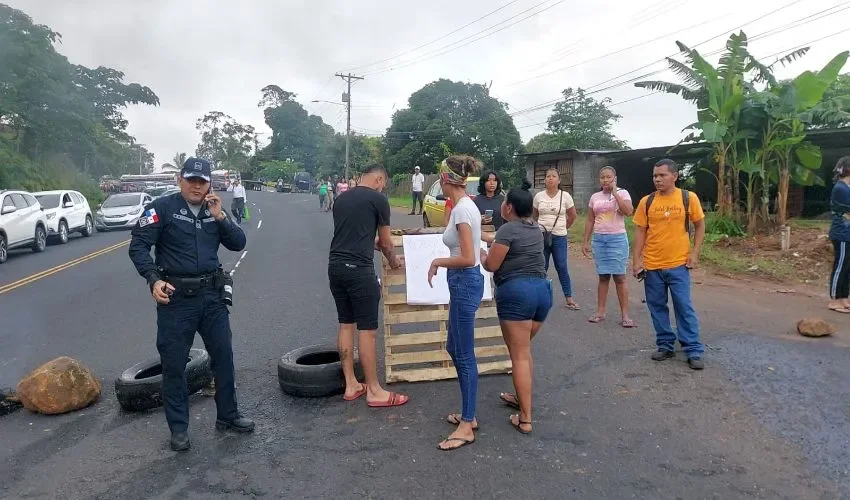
x=419 y=251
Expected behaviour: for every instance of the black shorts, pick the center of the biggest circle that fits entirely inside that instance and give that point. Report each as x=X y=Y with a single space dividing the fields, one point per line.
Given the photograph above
x=357 y=294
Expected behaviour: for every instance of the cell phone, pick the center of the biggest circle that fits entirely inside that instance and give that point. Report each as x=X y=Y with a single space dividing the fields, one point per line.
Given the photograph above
x=641 y=275
x=488 y=213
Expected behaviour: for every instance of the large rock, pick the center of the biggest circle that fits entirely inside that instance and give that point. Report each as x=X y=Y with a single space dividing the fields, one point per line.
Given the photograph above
x=814 y=327
x=59 y=386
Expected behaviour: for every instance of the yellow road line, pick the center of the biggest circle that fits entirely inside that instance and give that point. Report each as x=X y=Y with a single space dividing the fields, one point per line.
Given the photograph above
x=53 y=270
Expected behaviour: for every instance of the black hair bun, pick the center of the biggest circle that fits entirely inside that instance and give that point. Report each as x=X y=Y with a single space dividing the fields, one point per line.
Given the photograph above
x=525 y=185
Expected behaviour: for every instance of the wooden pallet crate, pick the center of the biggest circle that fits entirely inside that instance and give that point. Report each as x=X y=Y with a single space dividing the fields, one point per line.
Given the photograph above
x=415 y=335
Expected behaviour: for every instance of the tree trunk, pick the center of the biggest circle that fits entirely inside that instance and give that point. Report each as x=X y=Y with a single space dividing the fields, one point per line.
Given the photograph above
x=782 y=202
x=752 y=224
x=736 y=193
x=722 y=206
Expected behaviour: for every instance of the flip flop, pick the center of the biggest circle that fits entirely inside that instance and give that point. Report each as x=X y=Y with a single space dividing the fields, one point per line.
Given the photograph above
x=842 y=310
x=455 y=419
x=461 y=440
x=357 y=395
x=628 y=323
x=512 y=403
x=519 y=424
x=596 y=319
x=395 y=399
x=573 y=307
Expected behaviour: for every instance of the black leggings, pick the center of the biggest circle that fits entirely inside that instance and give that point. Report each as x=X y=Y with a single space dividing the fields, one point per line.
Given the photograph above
x=839 y=282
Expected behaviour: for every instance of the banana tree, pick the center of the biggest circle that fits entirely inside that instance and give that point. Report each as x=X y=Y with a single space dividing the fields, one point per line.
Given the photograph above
x=789 y=106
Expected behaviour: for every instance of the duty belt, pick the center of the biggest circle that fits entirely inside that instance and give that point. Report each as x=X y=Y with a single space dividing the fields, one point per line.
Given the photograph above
x=191 y=284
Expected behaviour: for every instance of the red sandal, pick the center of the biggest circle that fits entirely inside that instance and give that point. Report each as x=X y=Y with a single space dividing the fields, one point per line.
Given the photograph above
x=395 y=399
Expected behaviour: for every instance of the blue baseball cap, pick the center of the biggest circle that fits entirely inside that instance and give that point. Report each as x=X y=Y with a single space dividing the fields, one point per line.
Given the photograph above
x=197 y=167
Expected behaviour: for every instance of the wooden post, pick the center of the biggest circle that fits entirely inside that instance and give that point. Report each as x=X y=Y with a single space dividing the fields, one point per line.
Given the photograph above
x=415 y=335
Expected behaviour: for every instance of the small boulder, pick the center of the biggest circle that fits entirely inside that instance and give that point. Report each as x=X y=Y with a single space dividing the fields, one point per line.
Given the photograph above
x=814 y=327
x=59 y=386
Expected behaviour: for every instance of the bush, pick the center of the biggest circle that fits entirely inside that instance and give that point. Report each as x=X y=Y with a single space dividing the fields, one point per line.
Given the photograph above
x=722 y=225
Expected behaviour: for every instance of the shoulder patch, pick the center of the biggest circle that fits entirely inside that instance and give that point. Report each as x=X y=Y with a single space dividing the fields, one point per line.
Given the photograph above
x=149 y=217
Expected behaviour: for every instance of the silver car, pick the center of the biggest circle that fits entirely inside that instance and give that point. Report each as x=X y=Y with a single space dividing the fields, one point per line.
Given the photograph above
x=121 y=211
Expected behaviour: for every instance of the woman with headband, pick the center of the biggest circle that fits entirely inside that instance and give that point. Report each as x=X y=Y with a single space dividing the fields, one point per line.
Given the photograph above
x=466 y=288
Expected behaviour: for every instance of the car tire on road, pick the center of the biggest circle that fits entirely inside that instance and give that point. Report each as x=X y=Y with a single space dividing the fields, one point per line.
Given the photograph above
x=314 y=371
x=40 y=242
x=62 y=236
x=4 y=249
x=89 y=227
x=139 y=388
x=425 y=221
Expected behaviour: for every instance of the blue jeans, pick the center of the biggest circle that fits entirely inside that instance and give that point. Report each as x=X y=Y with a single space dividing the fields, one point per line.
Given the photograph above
x=559 y=256
x=466 y=288
x=678 y=282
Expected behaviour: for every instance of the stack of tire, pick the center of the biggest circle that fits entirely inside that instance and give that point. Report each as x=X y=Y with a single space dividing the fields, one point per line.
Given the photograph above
x=139 y=388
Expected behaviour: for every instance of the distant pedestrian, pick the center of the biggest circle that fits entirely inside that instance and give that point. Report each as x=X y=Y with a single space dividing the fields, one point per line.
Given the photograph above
x=839 y=233
x=341 y=186
x=606 y=222
x=418 y=181
x=358 y=216
x=324 y=201
x=523 y=294
x=663 y=258
x=466 y=288
x=237 y=206
x=489 y=199
x=555 y=211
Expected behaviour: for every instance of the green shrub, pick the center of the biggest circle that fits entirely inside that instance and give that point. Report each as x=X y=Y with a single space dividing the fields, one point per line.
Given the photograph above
x=722 y=225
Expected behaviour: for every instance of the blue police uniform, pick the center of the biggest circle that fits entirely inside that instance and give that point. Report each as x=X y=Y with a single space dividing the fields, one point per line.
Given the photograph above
x=186 y=256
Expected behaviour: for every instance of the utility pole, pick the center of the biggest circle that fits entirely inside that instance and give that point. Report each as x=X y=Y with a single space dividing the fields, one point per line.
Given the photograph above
x=346 y=98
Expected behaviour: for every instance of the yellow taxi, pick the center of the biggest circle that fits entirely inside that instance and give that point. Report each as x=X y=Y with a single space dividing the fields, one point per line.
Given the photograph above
x=435 y=202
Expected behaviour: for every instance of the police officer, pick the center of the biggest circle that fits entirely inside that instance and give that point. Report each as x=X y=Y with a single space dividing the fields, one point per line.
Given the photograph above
x=186 y=282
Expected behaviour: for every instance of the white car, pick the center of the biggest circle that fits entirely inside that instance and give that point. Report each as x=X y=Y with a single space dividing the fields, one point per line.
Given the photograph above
x=22 y=223
x=121 y=211
x=66 y=212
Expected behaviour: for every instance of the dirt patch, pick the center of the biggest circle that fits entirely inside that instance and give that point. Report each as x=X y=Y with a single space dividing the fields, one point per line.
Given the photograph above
x=808 y=261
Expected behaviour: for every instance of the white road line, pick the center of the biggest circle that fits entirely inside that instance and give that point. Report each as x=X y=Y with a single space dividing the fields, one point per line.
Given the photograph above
x=260 y=210
x=260 y=225
x=238 y=262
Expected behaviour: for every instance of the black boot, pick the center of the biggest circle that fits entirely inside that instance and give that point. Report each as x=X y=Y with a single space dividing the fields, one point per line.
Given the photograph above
x=180 y=441
x=240 y=424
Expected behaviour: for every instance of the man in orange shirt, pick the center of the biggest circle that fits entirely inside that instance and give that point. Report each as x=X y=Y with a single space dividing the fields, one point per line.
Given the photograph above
x=663 y=257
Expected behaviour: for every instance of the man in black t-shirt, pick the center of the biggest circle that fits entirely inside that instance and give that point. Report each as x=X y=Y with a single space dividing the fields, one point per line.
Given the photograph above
x=358 y=215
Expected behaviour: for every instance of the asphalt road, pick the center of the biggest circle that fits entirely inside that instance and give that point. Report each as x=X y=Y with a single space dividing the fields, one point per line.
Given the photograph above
x=609 y=423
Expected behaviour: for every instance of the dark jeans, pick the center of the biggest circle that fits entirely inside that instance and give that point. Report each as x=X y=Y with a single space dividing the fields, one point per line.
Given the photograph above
x=237 y=208
x=559 y=256
x=177 y=323
x=678 y=282
x=466 y=288
x=420 y=197
x=839 y=282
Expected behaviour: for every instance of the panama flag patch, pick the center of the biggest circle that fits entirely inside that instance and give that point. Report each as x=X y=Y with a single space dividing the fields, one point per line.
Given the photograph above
x=149 y=217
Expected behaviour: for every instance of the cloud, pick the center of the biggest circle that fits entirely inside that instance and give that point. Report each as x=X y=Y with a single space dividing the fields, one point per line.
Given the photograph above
x=202 y=55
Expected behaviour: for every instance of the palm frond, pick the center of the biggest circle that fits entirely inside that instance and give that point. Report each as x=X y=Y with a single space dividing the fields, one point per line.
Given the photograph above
x=691 y=78
x=762 y=73
x=688 y=94
x=733 y=61
x=789 y=58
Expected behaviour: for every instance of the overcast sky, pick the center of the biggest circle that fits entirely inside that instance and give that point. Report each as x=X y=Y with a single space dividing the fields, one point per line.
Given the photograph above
x=203 y=55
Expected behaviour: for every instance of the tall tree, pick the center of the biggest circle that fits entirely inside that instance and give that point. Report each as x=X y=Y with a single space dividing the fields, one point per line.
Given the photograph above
x=227 y=143
x=459 y=116
x=582 y=122
x=179 y=159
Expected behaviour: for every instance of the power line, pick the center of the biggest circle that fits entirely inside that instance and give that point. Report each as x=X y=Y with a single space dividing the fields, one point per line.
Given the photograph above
x=554 y=101
x=436 y=39
x=464 y=42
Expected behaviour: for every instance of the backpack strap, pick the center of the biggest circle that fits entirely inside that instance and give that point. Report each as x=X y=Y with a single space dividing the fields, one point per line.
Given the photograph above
x=649 y=200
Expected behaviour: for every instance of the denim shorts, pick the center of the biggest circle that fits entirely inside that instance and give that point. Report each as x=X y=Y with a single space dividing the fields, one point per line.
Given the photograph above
x=522 y=299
